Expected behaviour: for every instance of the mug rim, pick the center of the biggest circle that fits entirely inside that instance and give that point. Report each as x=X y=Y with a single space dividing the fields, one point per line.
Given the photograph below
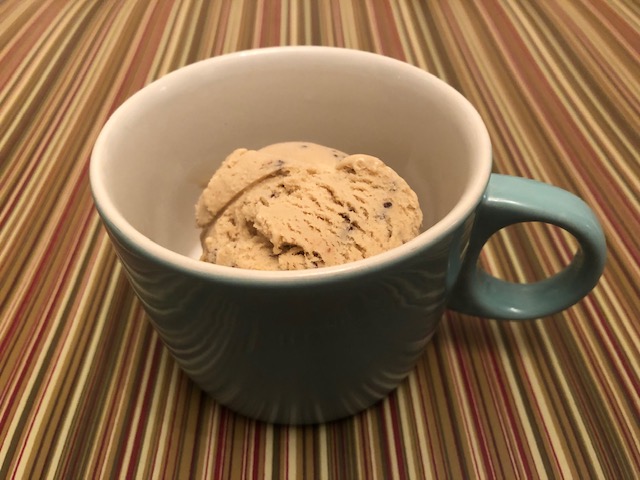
x=119 y=226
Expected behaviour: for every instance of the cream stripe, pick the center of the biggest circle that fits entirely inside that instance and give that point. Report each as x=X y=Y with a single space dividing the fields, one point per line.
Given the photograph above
x=406 y=426
x=32 y=261
x=117 y=394
x=577 y=419
x=82 y=378
x=128 y=458
x=120 y=389
x=567 y=89
x=504 y=103
x=269 y=437
x=631 y=16
x=52 y=379
x=605 y=293
x=373 y=454
x=391 y=440
x=428 y=35
x=49 y=57
x=327 y=27
x=323 y=442
x=34 y=60
x=163 y=60
x=307 y=30
x=164 y=412
x=84 y=246
x=606 y=385
x=358 y=446
x=540 y=172
x=292 y=22
x=185 y=29
x=292 y=447
x=601 y=341
x=622 y=68
x=538 y=400
x=212 y=444
x=284 y=22
x=511 y=373
x=233 y=27
x=514 y=456
x=12 y=18
x=624 y=335
x=210 y=34
x=249 y=448
x=348 y=18
x=421 y=425
x=34 y=190
x=407 y=34
x=467 y=429
x=375 y=29
x=257 y=26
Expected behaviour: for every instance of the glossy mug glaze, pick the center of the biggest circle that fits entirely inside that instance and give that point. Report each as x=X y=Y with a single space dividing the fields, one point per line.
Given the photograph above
x=316 y=345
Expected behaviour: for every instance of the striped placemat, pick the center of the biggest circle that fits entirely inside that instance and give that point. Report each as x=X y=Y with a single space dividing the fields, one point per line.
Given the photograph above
x=87 y=390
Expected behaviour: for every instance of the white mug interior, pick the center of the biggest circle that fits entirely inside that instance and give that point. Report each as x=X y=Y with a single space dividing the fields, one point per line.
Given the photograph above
x=157 y=152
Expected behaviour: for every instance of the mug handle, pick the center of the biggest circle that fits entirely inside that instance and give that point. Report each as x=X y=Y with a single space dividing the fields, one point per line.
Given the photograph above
x=509 y=200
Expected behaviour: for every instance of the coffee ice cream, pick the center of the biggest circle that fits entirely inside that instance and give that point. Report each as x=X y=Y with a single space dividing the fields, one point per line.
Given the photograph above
x=298 y=205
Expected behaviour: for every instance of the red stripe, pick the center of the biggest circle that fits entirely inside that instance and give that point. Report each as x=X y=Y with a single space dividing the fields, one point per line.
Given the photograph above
x=139 y=429
x=462 y=348
x=504 y=403
x=221 y=447
x=256 y=453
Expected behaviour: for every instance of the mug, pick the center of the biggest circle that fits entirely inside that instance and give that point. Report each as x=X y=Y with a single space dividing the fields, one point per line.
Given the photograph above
x=300 y=347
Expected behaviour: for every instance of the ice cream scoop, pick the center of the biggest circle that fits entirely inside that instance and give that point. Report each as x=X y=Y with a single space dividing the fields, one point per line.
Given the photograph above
x=297 y=205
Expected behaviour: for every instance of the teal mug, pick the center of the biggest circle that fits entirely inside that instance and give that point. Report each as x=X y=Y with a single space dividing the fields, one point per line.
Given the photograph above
x=311 y=346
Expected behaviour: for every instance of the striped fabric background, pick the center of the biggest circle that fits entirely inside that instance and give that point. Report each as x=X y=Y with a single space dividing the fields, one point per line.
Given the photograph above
x=88 y=391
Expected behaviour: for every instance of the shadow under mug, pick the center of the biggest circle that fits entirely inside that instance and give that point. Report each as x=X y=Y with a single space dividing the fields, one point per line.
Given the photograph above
x=316 y=345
